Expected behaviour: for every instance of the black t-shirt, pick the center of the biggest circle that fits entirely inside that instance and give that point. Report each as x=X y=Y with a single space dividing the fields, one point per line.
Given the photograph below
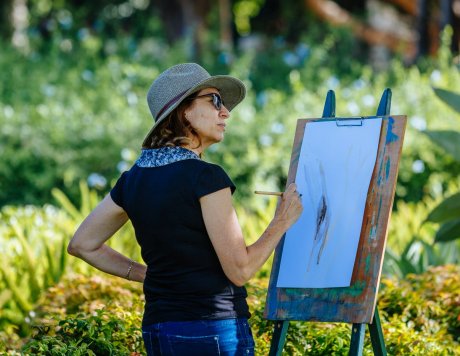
x=184 y=280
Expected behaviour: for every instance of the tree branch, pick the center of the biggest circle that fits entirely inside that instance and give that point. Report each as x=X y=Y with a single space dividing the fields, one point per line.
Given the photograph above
x=409 y=6
x=330 y=12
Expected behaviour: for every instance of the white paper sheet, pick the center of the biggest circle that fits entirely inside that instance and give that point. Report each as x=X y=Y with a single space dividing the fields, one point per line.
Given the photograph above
x=333 y=175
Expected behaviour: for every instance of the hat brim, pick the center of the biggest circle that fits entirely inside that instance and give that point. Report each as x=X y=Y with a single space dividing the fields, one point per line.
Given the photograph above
x=232 y=91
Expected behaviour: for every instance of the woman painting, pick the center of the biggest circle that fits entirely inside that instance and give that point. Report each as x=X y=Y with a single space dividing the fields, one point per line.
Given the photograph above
x=181 y=208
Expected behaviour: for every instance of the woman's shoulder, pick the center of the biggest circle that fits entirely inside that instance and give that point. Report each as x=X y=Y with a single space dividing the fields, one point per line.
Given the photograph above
x=199 y=168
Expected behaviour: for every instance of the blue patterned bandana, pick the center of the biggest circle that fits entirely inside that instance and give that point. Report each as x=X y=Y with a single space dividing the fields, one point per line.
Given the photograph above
x=156 y=157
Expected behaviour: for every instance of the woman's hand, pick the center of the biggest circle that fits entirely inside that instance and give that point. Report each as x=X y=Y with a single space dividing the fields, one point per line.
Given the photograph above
x=290 y=207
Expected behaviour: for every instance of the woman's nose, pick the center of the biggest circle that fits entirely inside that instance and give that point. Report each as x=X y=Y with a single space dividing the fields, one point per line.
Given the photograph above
x=224 y=112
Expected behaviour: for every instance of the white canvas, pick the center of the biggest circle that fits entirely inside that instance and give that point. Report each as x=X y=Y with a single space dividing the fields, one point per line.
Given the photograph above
x=333 y=175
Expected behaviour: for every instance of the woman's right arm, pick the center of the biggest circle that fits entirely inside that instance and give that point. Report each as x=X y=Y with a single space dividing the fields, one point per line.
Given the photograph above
x=241 y=262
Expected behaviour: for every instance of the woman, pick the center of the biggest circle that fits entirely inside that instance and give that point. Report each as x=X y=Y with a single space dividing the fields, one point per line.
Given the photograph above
x=182 y=213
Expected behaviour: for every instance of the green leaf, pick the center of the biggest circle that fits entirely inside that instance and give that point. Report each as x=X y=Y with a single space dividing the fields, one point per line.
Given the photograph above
x=85 y=208
x=18 y=296
x=66 y=204
x=62 y=259
x=29 y=260
x=448 y=231
x=448 y=140
x=5 y=297
x=450 y=98
x=447 y=210
x=12 y=316
x=51 y=271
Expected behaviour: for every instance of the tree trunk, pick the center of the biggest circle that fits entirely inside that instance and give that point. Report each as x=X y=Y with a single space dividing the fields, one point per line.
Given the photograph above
x=334 y=14
x=6 y=24
x=446 y=14
x=286 y=18
x=186 y=20
x=456 y=27
x=354 y=6
x=409 y=6
x=225 y=15
x=173 y=19
x=448 y=19
x=423 y=43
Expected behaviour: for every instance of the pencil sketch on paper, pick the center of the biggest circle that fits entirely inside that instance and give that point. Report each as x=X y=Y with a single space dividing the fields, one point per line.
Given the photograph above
x=322 y=214
x=320 y=248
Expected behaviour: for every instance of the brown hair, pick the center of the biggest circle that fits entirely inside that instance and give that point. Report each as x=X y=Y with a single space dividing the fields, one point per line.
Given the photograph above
x=175 y=130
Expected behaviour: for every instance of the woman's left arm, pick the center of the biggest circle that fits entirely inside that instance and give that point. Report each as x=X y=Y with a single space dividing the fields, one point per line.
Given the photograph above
x=88 y=243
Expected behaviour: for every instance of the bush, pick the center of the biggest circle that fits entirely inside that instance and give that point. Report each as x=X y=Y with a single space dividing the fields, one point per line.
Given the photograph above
x=99 y=334
x=419 y=316
x=89 y=316
x=102 y=314
x=32 y=244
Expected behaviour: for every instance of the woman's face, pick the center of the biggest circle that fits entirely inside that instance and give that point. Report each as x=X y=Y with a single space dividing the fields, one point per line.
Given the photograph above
x=208 y=122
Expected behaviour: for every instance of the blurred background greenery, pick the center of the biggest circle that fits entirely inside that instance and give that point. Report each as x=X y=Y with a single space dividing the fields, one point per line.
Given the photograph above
x=73 y=114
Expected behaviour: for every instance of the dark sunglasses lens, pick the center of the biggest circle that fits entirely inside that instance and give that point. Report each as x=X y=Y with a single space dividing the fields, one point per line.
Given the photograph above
x=217 y=101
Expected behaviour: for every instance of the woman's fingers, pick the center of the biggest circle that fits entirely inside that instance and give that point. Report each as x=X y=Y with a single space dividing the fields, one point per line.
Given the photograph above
x=290 y=206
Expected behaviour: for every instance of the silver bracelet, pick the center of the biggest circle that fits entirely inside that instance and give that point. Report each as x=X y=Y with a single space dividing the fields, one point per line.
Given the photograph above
x=131 y=264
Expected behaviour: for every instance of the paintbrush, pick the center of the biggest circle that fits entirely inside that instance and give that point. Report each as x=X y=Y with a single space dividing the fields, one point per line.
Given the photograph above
x=268 y=193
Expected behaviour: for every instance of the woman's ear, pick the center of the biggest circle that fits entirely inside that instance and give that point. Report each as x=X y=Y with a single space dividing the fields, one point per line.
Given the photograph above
x=186 y=115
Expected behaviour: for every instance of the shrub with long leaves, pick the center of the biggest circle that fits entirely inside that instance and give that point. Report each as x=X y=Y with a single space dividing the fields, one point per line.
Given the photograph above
x=447 y=213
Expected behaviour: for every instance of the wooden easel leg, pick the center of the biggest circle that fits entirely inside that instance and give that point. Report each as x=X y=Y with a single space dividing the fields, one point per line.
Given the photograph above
x=329 y=105
x=385 y=103
x=357 y=339
x=279 y=337
x=375 y=330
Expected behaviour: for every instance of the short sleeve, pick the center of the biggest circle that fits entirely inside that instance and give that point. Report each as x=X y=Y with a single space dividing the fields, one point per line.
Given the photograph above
x=211 y=179
x=117 y=191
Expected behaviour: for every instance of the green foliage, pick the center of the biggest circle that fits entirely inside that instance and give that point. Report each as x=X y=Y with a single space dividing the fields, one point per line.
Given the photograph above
x=448 y=211
x=89 y=316
x=75 y=111
x=70 y=127
x=419 y=315
x=94 y=335
x=408 y=221
x=35 y=241
x=428 y=304
x=80 y=115
x=448 y=231
x=418 y=256
x=87 y=295
x=448 y=97
x=89 y=198
x=34 y=254
x=243 y=11
x=447 y=140
x=410 y=247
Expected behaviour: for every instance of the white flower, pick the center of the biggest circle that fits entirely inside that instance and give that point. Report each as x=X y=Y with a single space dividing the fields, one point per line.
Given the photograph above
x=418 y=122
x=418 y=166
x=95 y=180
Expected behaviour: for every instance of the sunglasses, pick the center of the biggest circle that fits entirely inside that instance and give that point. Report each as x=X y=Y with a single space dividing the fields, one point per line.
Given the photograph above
x=216 y=100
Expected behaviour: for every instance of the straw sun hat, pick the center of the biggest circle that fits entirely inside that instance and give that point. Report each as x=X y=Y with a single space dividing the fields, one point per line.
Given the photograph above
x=175 y=84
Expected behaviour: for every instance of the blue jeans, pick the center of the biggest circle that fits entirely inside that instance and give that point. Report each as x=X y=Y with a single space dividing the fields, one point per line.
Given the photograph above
x=227 y=337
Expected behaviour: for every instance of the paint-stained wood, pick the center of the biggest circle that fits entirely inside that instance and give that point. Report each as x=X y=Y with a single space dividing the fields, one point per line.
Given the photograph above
x=354 y=304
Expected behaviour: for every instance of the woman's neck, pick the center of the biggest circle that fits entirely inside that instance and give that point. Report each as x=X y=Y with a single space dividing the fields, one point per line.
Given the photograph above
x=196 y=147
x=198 y=150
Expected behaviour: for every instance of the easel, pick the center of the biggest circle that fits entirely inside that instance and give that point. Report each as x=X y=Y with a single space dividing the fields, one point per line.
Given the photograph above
x=358 y=329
